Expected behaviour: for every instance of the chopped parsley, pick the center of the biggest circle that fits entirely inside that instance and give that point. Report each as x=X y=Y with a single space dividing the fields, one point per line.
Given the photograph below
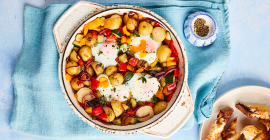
x=100 y=52
x=110 y=96
x=93 y=58
x=159 y=87
x=112 y=46
x=143 y=79
x=125 y=97
x=120 y=52
x=151 y=35
x=102 y=101
x=154 y=98
x=109 y=114
x=136 y=34
x=113 y=91
x=95 y=44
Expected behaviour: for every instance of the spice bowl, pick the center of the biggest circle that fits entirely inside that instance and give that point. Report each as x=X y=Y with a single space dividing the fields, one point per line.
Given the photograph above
x=200 y=29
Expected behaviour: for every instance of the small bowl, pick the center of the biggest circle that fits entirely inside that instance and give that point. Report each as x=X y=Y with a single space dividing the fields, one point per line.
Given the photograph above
x=192 y=37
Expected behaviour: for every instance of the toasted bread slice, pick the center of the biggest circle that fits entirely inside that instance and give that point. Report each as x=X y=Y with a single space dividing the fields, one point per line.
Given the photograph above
x=242 y=137
x=250 y=132
x=229 y=129
x=266 y=123
x=252 y=111
x=264 y=136
x=218 y=126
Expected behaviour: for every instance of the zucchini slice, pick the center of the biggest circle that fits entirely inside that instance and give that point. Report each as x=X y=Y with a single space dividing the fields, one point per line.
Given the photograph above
x=168 y=36
x=100 y=38
x=117 y=32
x=117 y=121
x=79 y=37
x=76 y=44
x=128 y=76
x=169 y=79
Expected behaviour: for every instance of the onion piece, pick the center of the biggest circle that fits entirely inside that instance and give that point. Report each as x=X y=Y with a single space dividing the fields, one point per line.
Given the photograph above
x=98 y=65
x=102 y=31
x=88 y=77
x=160 y=74
x=143 y=116
x=88 y=97
x=170 y=70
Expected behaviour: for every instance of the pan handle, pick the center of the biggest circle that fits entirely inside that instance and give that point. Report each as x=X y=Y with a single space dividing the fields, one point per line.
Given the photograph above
x=180 y=114
x=66 y=23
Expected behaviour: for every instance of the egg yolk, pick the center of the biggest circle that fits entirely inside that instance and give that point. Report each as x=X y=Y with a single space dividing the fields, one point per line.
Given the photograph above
x=103 y=82
x=143 y=48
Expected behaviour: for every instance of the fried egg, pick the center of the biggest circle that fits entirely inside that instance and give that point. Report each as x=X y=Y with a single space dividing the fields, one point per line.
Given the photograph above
x=110 y=92
x=106 y=53
x=143 y=87
x=144 y=48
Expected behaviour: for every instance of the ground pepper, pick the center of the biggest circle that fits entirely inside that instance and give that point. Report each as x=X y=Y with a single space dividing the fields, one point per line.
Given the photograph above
x=200 y=28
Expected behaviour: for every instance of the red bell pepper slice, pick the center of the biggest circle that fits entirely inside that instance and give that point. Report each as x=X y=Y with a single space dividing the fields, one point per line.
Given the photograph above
x=173 y=49
x=171 y=87
x=107 y=32
x=131 y=111
x=149 y=104
x=79 y=82
x=169 y=98
x=80 y=62
x=156 y=25
x=117 y=59
x=121 y=29
x=111 y=37
x=81 y=104
x=97 y=111
x=123 y=67
x=94 y=84
x=133 y=61
x=176 y=72
x=103 y=116
x=94 y=34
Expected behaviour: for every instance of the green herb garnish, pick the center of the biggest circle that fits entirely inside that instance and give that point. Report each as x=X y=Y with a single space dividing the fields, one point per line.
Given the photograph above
x=100 y=52
x=154 y=98
x=125 y=97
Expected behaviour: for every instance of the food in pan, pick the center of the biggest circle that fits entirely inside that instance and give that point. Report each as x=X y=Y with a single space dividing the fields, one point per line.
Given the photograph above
x=218 y=126
x=123 y=68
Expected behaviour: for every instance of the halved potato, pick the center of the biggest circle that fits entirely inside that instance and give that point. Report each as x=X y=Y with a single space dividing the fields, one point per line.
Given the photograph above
x=109 y=113
x=145 y=113
x=159 y=107
x=117 y=107
x=82 y=92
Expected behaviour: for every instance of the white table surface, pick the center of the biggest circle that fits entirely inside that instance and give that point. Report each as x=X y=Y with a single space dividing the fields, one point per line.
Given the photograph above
x=249 y=61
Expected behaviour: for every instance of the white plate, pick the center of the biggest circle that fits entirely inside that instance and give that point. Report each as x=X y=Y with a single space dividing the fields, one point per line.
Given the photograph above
x=255 y=95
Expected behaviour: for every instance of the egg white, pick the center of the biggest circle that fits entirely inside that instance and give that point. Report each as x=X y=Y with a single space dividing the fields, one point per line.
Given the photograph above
x=143 y=91
x=101 y=57
x=151 y=56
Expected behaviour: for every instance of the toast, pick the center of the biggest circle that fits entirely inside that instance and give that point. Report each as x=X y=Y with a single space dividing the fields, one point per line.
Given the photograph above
x=252 y=111
x=266 y=123
x=250 y=132
x=229 y=129
x=218 y=126
x=264 y=136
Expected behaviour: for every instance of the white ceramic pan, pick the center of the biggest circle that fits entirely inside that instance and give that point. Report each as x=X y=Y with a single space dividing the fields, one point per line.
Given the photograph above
x=179 y=109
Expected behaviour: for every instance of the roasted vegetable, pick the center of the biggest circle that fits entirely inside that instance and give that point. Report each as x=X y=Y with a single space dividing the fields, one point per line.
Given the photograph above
x=110 y=70
x=145 y=28
x=73 y=68
x=98 y=68
x=163 y=52
x=116 y=79
x=117 y=107
x=159 y=34
x=159 y=107
x=86 y=53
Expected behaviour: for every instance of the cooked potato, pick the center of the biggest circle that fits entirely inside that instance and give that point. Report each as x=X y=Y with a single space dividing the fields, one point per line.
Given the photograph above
x=110 y=70
x=73 y=56
x=125 y=106
x=163 y=52
x=141 y=103
x=86 y=53
x=159 y=34
x=99 y=95
x=126 y=18
x=90 y=41
x=90 y=70
x=116 y=79
x=98 y=68
x=87 y=83
x=140 y=62
x=163 y=82
x=123 y=58
x=145 y=28
x=145 y=113
x=116 y=21
x=117 y=121
x=74 y=84
x=117 y=107
x=73 y=70
x=110 y=113
x=159 y=107
x=133 y=102
x=132 y=23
